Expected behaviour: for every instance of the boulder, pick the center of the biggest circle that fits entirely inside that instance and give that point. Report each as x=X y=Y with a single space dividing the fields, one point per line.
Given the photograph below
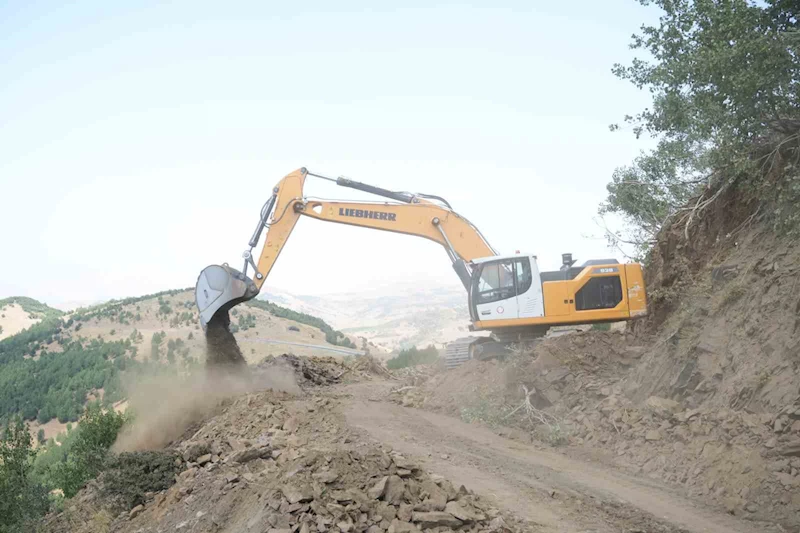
x=393 y=493
x=464 y=512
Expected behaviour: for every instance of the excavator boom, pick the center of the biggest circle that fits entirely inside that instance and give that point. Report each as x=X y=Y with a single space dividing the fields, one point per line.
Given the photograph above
x=508 y=295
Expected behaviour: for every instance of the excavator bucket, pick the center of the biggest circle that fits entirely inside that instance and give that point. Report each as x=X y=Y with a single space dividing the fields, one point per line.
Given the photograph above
x=219 y=288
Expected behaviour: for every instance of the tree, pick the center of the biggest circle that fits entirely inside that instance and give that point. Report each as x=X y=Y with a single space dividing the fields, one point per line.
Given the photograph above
x=723 y=75
x=96 y=433
x=21 y=499
x=40 y=436
x=155 y=345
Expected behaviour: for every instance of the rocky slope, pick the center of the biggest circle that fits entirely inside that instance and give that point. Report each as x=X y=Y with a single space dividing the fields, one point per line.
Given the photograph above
x=703 y=394
x=278 y=462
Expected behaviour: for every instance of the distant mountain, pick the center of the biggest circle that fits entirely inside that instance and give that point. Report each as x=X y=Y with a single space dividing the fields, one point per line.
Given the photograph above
x=394 y=318
x=20 y=312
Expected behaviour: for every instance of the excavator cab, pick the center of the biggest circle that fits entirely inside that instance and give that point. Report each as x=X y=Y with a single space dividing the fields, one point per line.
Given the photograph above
x=510 y=291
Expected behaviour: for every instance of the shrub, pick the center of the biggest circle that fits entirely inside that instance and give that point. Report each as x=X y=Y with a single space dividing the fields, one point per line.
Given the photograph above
x=413 y=357
x=130 y=475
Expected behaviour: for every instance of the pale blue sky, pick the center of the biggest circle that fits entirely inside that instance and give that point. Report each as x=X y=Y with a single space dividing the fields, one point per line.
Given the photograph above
x=125 y=130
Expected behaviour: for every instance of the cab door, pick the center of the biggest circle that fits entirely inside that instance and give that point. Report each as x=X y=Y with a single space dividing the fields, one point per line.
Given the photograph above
x=530 y=303
x=494 y=293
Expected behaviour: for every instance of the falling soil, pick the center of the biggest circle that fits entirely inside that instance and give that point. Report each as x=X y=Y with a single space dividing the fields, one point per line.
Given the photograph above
x=222 y=351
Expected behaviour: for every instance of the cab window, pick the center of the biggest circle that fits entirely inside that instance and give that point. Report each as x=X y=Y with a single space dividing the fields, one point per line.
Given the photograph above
x=496 y=282
x=523 y=272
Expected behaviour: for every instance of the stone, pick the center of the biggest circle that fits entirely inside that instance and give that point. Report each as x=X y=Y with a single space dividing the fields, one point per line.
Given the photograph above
x=136 y=511
x=435 y=519
x=662 y=406
x=297 y=494
x=404 y=512
x=787 y=480
x=395 y=487
x=291 y=424
x=777 y=427
x=249 y=454
x=372 y=529
x=188 y=473
x=233 y=477
x=652 y=435
x=196 y=450
x=203 y=459
x=236 y=445
x=402 y=462
x=498 y=524
x=791 y=449
x=378 y=489
x=464 y=512
x=341 y=496
x=398 y=526
x=771 y=443
x=326 y=476
x=437 y=497
x=386 y=511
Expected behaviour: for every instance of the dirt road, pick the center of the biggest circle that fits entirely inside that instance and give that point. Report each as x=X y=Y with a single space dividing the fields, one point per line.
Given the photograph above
x=558 y=493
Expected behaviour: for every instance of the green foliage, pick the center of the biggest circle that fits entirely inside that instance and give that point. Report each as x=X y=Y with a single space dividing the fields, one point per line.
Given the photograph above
x=29 y=341
x=40 y=436
x=723 y=76
x=136 y=337
x=87 y=455
x=130 y=476
x=247 y=321
x=56 y=384
x=163 y=307
x=413 y=357
x=22 y=500
x=331 y=335
x=155 y=345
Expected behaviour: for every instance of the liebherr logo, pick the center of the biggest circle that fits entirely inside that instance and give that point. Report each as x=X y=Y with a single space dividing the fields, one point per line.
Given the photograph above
x=366 y=213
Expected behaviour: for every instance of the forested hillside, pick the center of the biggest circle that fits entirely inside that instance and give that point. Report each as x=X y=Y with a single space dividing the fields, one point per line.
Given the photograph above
x=51 y=369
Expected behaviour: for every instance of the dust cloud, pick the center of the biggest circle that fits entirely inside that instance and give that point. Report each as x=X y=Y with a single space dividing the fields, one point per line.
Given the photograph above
x=165 y=406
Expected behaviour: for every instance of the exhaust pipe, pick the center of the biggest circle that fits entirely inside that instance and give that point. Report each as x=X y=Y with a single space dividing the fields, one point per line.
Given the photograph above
x=219 y=288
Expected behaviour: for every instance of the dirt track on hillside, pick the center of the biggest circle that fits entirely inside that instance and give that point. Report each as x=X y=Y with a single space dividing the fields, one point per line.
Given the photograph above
x=542 y=485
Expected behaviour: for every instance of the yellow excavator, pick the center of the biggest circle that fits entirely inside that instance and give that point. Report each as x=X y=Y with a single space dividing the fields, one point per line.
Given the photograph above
x=508 y=296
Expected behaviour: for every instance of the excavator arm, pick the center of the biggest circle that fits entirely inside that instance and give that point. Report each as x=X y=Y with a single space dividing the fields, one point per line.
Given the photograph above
x=222 y=287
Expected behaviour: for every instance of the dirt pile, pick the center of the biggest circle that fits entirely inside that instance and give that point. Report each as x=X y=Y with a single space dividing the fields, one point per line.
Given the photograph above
x=271 y=461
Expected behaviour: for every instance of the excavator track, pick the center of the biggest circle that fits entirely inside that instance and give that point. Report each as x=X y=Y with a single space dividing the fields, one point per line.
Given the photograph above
x=462 y=350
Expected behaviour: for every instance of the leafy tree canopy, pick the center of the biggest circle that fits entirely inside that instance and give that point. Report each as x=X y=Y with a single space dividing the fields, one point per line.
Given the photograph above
x=724 y=75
